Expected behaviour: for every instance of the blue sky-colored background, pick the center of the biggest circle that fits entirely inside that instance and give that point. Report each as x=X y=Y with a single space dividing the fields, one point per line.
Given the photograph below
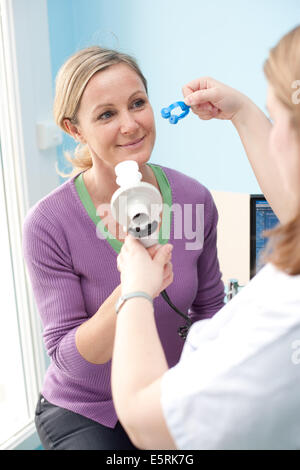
x=175 y=41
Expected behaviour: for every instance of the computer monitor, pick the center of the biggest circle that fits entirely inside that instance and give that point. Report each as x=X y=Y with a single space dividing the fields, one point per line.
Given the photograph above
x=262 y=218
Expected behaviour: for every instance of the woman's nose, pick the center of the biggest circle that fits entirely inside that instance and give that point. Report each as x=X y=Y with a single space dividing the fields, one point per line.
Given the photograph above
x=128 y=123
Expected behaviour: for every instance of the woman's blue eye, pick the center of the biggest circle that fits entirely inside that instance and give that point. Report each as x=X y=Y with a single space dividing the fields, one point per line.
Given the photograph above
x=105 y=115
x=139 y=103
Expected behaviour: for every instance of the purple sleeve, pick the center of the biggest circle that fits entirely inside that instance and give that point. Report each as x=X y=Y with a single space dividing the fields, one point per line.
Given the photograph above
x=57 y=292
x=210 y=294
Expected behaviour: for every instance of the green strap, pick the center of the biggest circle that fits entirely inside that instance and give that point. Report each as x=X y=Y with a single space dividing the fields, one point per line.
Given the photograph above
x=164 y=185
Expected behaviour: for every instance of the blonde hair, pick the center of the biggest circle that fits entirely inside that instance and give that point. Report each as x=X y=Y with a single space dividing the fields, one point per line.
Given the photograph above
x=71 y=82
x=282 y=69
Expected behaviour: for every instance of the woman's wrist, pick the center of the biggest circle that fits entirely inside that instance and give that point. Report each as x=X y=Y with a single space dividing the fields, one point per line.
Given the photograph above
x=128 y=289
x=242 y=115
x=136 y=296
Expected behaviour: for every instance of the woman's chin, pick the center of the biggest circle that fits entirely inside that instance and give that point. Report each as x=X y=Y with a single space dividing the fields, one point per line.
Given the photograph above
x=140 y=159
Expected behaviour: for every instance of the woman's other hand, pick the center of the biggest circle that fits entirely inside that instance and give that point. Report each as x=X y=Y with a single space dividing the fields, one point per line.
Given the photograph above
x=210 y=99
x=148 y=270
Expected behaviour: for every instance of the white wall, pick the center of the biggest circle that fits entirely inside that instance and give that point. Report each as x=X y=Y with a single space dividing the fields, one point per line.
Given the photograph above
x=36 y=95
x=233 y=235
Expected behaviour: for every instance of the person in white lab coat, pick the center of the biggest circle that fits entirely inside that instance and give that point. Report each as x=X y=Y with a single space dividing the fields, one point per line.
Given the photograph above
x=236 y=385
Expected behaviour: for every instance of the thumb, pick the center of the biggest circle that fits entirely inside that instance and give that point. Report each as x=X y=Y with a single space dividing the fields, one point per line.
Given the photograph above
x=202 y=96
x=162 y=254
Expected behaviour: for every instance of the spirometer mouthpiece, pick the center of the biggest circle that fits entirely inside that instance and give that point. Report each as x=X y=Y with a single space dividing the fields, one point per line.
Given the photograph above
x=136 y=205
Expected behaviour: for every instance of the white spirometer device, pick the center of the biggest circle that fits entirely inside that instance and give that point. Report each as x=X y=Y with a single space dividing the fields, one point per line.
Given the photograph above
x=136 y=205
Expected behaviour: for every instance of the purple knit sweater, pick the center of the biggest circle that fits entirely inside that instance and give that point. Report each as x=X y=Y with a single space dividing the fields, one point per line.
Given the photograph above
x=73 y=271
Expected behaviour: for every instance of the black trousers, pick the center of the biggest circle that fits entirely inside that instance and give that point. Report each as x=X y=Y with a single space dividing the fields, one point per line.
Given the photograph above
x=61 y=429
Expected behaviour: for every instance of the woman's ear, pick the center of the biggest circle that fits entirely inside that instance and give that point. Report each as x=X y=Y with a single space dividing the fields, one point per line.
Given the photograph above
x=74 y=131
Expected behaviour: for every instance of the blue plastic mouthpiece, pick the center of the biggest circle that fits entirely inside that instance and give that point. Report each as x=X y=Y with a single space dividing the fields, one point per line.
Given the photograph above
x=174 y=118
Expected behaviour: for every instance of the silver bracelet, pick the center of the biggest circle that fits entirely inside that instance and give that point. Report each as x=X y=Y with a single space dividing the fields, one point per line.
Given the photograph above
x=125 y=297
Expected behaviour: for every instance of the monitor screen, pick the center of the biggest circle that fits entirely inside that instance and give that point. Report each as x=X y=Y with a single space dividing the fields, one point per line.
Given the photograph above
x=262 y=218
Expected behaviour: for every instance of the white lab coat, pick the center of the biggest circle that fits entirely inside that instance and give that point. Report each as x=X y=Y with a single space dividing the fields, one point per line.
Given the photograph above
x=237 y=384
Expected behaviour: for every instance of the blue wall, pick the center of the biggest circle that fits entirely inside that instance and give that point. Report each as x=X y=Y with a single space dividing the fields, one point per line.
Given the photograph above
x=174 y=42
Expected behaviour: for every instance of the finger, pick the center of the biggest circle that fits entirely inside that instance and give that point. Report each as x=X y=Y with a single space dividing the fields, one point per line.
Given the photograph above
x=205 y=111
x=162 y=254
x=129 y=240
x=205 y=107
x=201 y=83
x=167 y=281
x=153 y=249
x=205 y=116
x=168 y=269
x=169 y=255
x=119 y=262
x=203 y=96
x=132 y=244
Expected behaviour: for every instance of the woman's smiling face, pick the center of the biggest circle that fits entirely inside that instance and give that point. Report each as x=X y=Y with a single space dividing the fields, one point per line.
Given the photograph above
x=115 y=118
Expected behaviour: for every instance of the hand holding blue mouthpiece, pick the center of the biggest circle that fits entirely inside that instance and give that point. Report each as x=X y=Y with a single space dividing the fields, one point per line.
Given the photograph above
x=174 y=118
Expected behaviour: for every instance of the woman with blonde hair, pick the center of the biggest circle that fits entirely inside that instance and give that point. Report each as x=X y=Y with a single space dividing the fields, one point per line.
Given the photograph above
x=71 y=243
x=236 y=385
